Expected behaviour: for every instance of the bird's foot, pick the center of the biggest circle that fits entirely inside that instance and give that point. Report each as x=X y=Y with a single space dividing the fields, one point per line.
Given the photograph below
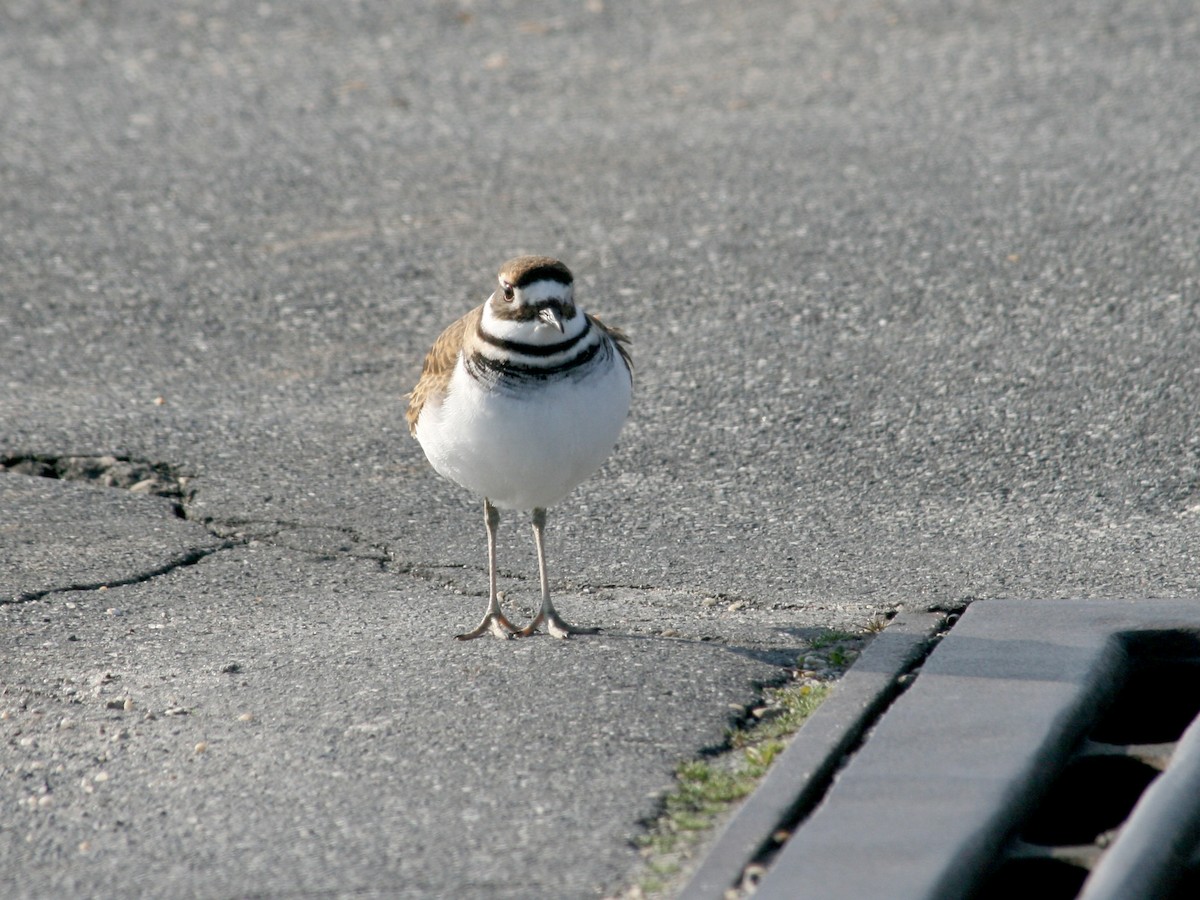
x=495 y=622
x=555 y=626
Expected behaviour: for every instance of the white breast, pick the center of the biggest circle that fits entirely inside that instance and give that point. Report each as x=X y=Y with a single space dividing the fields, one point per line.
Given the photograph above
x=526 y=448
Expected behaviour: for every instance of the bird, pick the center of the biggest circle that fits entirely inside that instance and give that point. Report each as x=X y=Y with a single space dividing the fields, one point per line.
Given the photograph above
x=519 y=401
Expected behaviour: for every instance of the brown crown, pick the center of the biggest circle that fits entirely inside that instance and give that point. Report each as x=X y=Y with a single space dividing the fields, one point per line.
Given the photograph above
x=527 y=269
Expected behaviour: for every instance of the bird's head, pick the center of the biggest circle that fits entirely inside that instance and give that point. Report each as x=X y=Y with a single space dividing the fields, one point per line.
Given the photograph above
x=536 y=294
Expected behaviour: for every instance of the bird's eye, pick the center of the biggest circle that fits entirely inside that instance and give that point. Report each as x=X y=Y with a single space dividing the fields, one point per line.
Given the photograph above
x=509 y=292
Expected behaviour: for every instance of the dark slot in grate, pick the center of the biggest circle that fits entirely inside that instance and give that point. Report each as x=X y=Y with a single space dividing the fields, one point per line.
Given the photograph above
x=1081 y=813
x=1092 y=796
x=1046 y=878
x=1160 y=694
x=1188 y=887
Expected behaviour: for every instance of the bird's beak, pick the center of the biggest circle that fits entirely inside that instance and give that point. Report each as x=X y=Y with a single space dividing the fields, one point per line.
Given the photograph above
x=551 y=316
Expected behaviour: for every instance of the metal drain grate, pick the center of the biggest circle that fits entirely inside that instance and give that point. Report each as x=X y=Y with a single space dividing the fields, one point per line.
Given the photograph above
x=1088 y=806
x=1043 y=746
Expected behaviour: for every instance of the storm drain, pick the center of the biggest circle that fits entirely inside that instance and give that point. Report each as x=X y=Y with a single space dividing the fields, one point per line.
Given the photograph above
x=1090 y=805
x=1044 y=748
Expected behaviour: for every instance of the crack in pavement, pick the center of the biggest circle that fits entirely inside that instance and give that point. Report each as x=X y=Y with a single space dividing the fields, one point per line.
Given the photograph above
x=273 y=532
x=134 y=474
x=189 y=558
x=138 y=476
x=143 y=476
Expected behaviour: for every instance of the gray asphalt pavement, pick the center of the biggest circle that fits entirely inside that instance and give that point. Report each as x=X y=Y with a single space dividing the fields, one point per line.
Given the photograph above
x=913 y=289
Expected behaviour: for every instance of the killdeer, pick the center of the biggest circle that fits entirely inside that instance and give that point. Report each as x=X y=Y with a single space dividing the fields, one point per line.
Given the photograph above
x=519 y=401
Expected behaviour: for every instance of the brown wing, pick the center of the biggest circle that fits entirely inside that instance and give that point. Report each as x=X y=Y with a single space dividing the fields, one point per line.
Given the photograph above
x=439 y=365
x=619 y=337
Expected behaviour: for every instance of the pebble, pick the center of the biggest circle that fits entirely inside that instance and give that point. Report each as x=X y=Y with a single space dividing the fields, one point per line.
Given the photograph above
x=201 y=747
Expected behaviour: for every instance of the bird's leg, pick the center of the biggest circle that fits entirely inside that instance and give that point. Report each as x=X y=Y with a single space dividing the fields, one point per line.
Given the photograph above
x=547 y=614
x=493 y=620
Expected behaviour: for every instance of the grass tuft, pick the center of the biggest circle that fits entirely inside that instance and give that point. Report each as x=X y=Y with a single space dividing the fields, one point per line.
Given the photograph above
x=706 y=790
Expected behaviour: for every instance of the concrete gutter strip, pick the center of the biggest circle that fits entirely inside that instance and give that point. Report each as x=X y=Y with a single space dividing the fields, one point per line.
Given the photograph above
x=922 y=810
x=1161 y=836
x=802 y=773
